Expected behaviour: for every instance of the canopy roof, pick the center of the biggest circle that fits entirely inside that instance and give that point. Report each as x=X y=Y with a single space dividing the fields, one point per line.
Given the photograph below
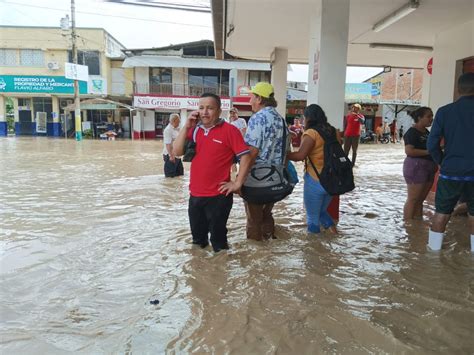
x=252 y=29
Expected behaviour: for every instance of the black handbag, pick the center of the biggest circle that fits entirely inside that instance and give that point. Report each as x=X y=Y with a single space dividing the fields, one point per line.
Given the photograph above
x=268 y=183
x=189 y=151
x=190 y=148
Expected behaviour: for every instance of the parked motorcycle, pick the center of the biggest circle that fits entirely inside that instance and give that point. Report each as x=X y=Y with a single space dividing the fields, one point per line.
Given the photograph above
x=385 y=139
x=370 y=137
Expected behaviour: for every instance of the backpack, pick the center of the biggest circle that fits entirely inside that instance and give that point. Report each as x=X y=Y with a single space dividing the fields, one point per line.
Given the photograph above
x=269 y=183
x=336 y=176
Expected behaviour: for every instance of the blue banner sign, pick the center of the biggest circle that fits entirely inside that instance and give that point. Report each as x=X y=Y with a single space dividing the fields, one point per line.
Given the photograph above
x=39 y=84
x=358 y=91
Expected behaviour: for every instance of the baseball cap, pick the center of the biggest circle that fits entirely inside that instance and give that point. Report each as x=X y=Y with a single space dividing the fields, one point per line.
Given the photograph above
x=263 y=89
x=358 y=106
x=233 y=109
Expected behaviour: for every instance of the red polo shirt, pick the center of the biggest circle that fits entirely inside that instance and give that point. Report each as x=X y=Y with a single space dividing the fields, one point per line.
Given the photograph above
x=215 y=151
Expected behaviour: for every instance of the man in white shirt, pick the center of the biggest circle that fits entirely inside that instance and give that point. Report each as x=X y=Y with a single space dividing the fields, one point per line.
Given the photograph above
x=238 y=122
x=173 y=165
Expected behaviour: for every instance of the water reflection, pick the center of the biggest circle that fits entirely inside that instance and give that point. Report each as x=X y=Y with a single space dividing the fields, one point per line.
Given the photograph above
x=92 y=232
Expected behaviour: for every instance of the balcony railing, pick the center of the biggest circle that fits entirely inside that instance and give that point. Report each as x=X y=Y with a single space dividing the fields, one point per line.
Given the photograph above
x=180 y=89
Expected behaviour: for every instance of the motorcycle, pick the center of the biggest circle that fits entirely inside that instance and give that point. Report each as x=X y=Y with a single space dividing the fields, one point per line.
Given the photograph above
x=370 y=137
x=385 y=139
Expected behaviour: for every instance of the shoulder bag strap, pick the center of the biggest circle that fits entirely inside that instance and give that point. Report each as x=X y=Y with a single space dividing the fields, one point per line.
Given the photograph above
x=314 y=167
x=283 y=151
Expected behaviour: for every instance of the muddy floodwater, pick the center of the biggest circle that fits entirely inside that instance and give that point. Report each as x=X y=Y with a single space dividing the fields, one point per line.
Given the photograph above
x=91 y=232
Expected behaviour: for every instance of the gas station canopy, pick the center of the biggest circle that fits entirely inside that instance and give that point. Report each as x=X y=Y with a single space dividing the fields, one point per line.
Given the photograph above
x=404 y=35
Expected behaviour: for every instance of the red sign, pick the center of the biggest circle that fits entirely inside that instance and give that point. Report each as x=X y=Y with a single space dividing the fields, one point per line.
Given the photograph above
x=243 y=90
x=429 y=67
x=316 y=67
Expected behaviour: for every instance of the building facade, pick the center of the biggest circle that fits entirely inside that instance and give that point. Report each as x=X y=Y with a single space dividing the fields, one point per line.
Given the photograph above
x=171 y=79
x=32 y=79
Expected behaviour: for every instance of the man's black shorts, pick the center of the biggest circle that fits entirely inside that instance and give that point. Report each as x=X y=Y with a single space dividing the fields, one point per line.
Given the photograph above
x=449 y=192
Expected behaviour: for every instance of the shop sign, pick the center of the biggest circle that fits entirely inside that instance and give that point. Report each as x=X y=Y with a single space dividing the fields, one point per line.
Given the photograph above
x=244 y=90
x=76 y=71
x=97 y=85
x=376 y=85
x=429 y=66
x=172 y=103
x=316 y=67
x=358 y=91
x=39 y=84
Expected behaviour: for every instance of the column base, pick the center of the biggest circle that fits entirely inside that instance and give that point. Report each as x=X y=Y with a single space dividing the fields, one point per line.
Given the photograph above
x=54 y=129
x=25 y=128
x=3 y=129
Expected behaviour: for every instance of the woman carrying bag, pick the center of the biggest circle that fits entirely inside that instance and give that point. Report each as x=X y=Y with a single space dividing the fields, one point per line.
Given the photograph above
x=316 y=199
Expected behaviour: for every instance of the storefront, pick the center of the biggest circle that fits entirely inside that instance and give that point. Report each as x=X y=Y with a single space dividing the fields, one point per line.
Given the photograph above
x=37 y=101
x=150 y=122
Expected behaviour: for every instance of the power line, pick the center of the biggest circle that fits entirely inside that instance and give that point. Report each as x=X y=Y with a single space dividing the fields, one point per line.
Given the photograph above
x=162 y=5
x=115 y=16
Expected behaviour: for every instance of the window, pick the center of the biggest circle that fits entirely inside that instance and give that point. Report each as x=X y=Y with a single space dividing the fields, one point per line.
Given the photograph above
x=208 y=80
x=257 y=76
x=31 y=57
x=160 y=76
x=89 y=58
x=24 y=103
x=8 y=57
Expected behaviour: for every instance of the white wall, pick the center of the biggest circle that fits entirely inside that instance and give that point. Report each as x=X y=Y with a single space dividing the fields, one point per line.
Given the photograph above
x=403 y=118
x=149 y=121
x=451 y=45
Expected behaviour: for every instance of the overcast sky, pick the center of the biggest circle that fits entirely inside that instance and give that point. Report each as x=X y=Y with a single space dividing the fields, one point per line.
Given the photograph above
x=135 y=26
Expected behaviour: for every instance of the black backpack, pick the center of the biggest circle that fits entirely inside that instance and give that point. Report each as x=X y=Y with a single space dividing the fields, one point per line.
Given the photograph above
x=336 y=176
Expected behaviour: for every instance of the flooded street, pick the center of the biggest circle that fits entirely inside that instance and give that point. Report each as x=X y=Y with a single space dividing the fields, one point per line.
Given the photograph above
x=91 y=232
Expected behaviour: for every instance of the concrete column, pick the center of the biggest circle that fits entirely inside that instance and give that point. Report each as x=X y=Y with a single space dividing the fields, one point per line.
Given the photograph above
x=425 y=89
x=3 y=118
x=450 y=46
x=279 y=75
x=55 y=130
x=328 y=58
x=16 y=115
x=183 y=113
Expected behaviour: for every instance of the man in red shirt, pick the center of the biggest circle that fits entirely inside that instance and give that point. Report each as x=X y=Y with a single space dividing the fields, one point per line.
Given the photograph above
x=296 y=131
x=352 y=133
x=217 y=143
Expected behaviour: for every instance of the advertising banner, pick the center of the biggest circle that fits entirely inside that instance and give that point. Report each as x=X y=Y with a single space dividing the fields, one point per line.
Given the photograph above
x=97 y=85
x=41 y=122
x=39 y=84
x=76 y=71
x=358 y=91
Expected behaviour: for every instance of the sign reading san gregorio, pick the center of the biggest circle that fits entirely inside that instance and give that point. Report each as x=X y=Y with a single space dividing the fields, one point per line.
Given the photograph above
x=172 y=103
x=39 y=84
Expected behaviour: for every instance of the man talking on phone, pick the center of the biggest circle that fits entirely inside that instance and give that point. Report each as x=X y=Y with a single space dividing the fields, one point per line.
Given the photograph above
x=217 y=143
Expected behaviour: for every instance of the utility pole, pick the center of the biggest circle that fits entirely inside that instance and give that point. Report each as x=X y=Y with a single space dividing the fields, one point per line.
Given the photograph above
x=77 y=100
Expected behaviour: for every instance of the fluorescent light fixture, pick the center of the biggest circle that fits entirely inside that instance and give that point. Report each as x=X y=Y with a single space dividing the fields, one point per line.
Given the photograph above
x=400 y=47
x=396 y=15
